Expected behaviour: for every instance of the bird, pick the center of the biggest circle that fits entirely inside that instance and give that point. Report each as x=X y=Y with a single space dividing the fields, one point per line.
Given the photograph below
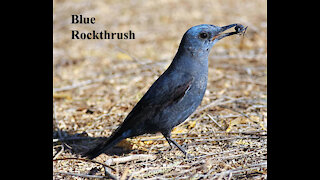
x=176 y=94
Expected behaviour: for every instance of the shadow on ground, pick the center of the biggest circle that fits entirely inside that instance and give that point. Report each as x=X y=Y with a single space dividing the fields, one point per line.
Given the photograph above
x=80 y=143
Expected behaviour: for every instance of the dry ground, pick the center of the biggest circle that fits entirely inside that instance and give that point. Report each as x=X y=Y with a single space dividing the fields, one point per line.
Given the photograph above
x=97 y=82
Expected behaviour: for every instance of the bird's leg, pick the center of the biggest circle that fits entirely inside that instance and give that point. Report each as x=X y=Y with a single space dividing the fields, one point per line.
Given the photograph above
x=170 y=140
x=169 y=143
x=179 y=147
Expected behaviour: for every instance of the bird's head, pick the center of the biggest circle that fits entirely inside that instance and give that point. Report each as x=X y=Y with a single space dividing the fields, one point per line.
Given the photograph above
x=198 y=40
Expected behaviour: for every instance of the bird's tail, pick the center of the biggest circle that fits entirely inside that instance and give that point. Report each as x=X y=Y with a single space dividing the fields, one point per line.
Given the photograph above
x=100 y=148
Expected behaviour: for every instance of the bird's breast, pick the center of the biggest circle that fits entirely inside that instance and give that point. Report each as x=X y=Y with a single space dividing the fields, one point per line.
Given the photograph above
x=200 y=85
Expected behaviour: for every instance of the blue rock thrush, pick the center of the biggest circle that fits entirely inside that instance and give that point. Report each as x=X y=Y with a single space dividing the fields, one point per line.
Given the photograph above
x=176 y=94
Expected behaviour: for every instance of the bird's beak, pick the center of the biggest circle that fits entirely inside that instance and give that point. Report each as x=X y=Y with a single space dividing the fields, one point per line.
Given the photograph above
x=238 y=29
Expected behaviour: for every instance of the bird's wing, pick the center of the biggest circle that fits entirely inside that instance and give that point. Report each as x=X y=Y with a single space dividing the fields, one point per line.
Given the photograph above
x=167 y=90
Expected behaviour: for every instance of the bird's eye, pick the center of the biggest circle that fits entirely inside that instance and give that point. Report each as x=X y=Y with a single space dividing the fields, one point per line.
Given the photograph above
x=203 y=35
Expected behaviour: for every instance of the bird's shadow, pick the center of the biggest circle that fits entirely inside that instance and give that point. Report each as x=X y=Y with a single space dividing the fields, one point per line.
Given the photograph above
x=80 y=143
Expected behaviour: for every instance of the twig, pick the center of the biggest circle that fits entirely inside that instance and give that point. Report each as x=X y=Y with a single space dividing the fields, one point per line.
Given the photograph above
x=218 y=102
x=82 y=175
x=230 y=176
x=103 y=115
x=72 y=138
x=58 y=153
x=215 y=121
x=236 y=156
x=234 y=171
x=236 y=112
x=140 y=157
x=263 y=164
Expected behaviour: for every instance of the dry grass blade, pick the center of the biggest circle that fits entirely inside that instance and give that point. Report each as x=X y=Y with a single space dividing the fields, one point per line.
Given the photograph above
x=137 y=157
x=82 y=175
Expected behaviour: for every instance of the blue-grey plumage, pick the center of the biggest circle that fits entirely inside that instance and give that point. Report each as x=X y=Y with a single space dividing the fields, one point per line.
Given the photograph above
x=176 y=94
